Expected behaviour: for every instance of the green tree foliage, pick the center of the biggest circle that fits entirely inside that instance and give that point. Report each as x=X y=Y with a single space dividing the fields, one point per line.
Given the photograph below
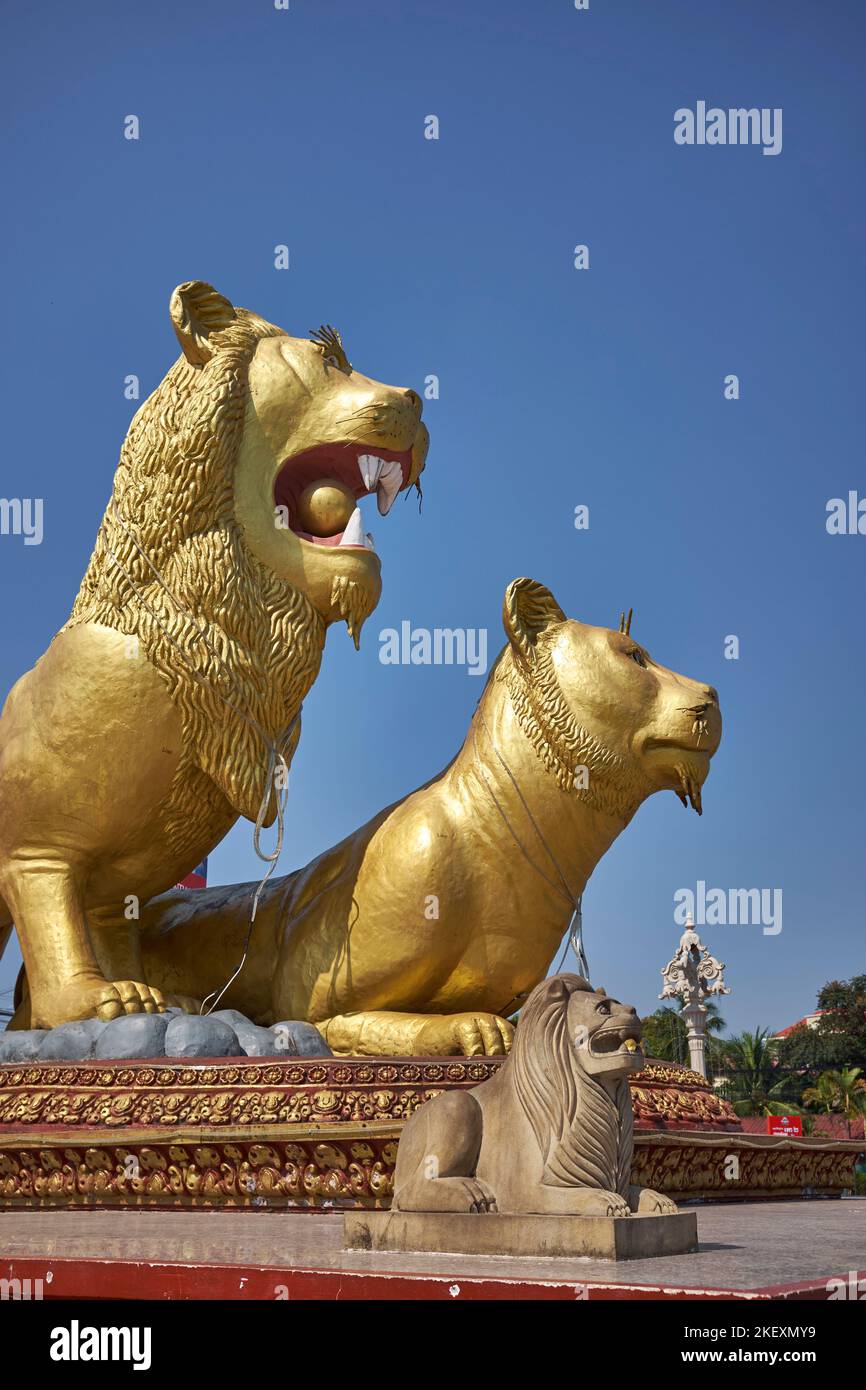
x=752 y=1079
x=665 y=1035
x=839 y=1038
x=844 y=1002
x=838 y=1091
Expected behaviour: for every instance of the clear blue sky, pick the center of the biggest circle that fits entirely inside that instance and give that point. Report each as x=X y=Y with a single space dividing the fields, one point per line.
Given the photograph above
x=558 y=387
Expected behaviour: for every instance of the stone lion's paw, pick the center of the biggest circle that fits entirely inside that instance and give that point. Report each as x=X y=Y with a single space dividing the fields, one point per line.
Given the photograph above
x=603 y=1204
x=482 y=1198
x=457 y=1194
x=656 y=1202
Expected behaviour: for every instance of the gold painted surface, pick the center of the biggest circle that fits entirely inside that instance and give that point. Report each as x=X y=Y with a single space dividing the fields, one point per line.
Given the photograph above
x=156 y=716
x=418 y=934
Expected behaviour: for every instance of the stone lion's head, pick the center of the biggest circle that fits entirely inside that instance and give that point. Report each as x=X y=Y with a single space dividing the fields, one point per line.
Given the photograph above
x=573 y=1050
x=610 y=722
x=233 y=538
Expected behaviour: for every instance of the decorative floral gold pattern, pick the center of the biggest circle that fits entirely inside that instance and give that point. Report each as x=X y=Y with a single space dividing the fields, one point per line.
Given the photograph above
x=218 y=1174
x=266 y=1094
x=323 y=1132
x=741 y=1167
x=360 y=1172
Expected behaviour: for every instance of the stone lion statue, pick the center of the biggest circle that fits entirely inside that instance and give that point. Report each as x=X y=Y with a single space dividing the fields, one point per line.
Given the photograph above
x=550 y=1133
x=160 y=712
x=422 y=931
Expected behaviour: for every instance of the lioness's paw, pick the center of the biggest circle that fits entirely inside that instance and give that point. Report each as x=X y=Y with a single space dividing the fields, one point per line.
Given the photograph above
x=467 y=1035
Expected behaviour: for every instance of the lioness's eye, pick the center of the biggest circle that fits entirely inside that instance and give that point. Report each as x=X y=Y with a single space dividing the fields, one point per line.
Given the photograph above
x=638 y=656
x=330 y=344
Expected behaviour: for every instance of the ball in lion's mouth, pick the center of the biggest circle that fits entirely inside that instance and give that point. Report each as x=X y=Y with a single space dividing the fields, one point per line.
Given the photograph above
x=324 y=508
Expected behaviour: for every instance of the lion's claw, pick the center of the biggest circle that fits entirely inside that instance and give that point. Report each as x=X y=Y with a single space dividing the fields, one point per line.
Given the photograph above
x=655 y=1202
x=467 y=1035
x=97 y=998
x=482 y=1198
x=128 y=997
x=600 y=1203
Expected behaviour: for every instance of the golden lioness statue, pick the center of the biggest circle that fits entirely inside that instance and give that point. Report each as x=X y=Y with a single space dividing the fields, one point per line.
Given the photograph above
x=423 y=930
x=551 y=1133
x=160 y=712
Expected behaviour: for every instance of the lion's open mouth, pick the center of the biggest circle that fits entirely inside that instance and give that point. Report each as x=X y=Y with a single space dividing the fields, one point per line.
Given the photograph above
x=319 y=490
x=622 y=1038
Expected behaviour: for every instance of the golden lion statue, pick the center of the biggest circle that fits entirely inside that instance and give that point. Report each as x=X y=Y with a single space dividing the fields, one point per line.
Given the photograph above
x=551 y=1133
x=160 y=712
x=423 y=930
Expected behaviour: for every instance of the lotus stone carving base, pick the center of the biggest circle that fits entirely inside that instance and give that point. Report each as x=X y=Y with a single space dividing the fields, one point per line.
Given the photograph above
x=499 y=1233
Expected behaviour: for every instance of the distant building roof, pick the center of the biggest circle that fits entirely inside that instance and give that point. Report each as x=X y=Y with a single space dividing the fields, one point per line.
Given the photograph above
x=811 y=1021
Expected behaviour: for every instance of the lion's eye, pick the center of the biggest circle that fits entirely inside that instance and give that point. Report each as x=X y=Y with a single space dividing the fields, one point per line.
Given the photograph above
x=638 y=656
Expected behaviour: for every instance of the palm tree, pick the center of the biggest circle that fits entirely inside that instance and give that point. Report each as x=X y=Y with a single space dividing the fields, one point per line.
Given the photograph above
x=852 y=1091
x=843 y=1090
x=822 y=1095
x=752 y=1084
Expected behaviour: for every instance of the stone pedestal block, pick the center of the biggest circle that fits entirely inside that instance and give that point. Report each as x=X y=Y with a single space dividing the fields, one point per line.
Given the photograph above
x=498 y=1233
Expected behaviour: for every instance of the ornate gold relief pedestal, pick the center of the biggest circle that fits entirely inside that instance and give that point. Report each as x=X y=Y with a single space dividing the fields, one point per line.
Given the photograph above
x=319 y=1133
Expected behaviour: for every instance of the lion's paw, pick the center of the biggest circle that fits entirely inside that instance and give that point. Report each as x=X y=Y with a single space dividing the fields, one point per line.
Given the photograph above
x=97 y=998
x=601 y=1203
x=650 y=1202
x=466 y=1035
x=457 y=1194
x=128 y=997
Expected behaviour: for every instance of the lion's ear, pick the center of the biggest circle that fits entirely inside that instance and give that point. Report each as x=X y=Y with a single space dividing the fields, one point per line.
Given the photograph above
x=197 y=312
x=528 y=610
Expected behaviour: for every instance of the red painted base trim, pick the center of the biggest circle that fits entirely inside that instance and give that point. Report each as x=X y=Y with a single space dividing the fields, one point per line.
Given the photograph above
x=82 y=1280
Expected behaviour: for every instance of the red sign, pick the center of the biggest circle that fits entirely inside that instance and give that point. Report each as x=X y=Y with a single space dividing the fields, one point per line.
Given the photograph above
x=785 y=1124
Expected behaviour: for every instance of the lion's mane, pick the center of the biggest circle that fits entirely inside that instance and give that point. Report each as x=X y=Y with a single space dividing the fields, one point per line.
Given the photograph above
x=584 y=1135
x=252 y=640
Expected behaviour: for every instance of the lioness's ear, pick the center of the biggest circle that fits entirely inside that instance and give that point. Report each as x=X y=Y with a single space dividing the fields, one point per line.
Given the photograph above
x=197 y=311
x=528 y=610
